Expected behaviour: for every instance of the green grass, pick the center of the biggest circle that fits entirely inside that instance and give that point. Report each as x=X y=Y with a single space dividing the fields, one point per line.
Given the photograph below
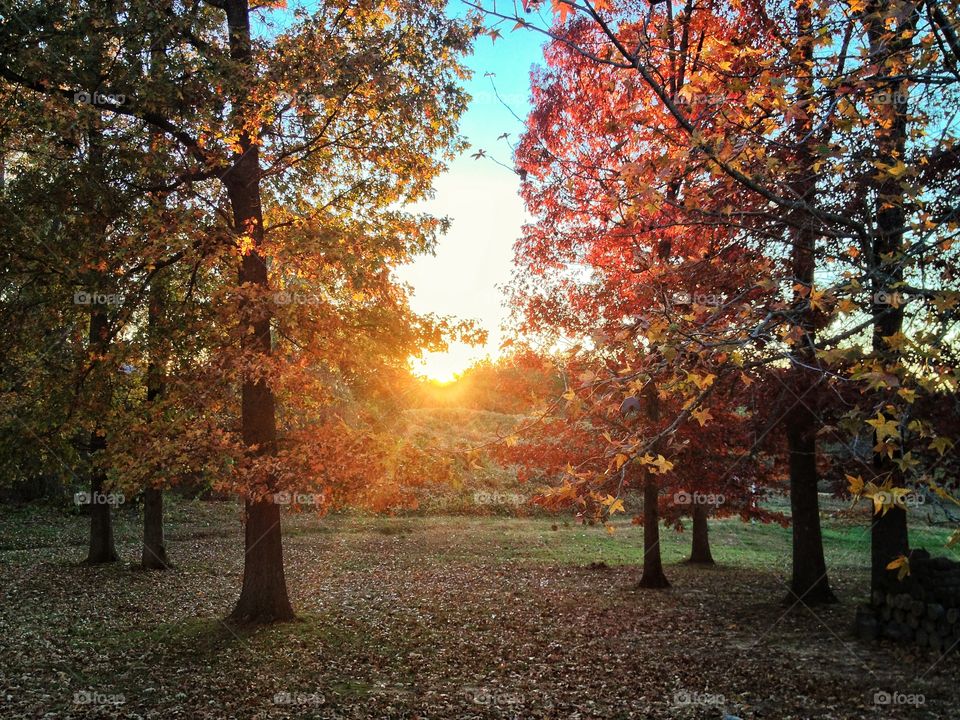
x=760 y=545
x=750 y=545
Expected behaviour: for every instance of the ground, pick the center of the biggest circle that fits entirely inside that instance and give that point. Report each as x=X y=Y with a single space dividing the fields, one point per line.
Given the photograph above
x=444 y=617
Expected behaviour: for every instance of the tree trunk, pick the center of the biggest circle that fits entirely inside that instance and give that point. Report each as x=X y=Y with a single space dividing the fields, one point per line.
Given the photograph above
x=263 y=597
x=809 y=583
x=888 y=534
x=653 y=576
x=154 y=556
x=700 y=549
x=101 y=548
x=154 y=548
x=888 y=540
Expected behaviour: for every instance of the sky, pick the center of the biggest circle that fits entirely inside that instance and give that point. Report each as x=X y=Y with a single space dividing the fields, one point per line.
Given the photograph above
x=474 y=259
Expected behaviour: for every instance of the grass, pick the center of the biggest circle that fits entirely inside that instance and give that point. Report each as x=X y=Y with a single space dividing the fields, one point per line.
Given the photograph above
x=442 y=617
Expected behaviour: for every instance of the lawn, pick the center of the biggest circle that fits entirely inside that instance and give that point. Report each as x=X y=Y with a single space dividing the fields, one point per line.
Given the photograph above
x=443 y=617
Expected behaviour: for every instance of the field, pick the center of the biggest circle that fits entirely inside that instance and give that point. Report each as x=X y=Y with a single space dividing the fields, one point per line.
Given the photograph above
x=443 y=617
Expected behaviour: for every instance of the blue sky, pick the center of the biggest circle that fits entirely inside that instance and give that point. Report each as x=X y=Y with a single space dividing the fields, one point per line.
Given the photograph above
x=481 y=199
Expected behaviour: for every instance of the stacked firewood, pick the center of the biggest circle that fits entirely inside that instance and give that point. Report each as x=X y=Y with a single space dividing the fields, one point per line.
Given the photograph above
x=923 y=609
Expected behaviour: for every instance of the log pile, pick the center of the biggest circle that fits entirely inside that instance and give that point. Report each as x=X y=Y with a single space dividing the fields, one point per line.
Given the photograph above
x=923 y=609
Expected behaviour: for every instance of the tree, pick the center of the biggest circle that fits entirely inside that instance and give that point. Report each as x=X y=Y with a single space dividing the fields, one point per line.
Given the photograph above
x=297 y=147
x=590 y=136
x=776 y=81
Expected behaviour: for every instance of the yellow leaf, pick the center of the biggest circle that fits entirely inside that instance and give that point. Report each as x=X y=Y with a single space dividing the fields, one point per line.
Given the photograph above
x=659 y=465
x=908 y=395
x=884 y=428
x=818 y=299
x=246 y=244
x=902 y=564
x=615 y=506
x=856 y=485
x=895 y=171
x=941 y=493
x=702 y=416
x=701 y=382
x=907 y=461
x=941 y=444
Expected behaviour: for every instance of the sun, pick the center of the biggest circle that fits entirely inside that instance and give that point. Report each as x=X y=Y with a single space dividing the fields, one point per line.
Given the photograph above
x=445 y=367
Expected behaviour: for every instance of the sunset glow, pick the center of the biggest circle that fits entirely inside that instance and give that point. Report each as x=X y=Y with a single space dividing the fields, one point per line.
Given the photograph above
x=472 y=359
x=473 y=261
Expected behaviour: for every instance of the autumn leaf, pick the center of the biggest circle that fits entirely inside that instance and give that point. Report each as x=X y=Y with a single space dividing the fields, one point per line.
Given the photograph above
x=562 y=8
x=941 y=444
x=702 y=382
x=658 y=464
x=856 y=485
x=884 y=427
x=702 y=416
x=613 y=505
x=902 y=564
x=896 y=171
